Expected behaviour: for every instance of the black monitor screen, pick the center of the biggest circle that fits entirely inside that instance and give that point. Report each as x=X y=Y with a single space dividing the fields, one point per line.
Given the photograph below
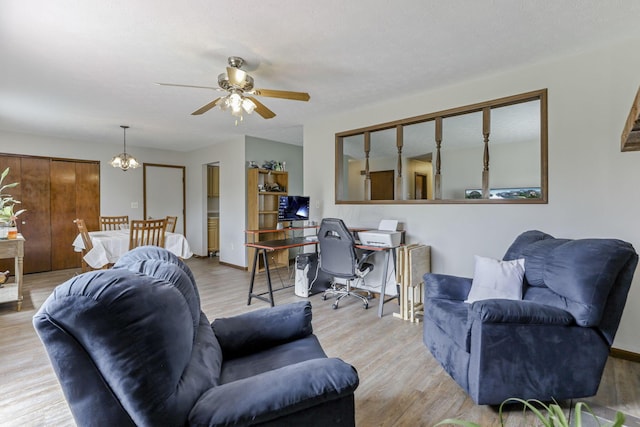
x=293 y=208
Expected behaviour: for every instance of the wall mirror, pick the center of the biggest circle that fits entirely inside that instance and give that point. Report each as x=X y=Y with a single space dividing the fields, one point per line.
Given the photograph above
x=490 y=152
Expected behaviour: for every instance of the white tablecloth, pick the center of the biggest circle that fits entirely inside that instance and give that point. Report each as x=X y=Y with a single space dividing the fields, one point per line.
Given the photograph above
x=110 y=245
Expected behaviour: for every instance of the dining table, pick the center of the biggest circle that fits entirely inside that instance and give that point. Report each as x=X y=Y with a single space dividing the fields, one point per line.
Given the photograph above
x=110 y=245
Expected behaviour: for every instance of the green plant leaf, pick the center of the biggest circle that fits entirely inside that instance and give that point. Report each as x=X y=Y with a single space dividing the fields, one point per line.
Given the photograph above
x=619 y=421
x=556 y=415
x=528 y=404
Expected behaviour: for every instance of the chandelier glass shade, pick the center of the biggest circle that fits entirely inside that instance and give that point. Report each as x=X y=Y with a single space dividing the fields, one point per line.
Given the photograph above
x=123 y=160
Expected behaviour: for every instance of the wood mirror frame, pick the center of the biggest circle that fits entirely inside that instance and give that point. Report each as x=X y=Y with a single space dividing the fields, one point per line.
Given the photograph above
x=460 y=155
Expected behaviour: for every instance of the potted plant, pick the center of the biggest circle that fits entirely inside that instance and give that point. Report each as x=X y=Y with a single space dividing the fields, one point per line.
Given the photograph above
x=554 y=416
x=8 y=215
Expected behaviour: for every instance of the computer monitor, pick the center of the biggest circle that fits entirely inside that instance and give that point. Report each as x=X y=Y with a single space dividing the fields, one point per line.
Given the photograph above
x=293 y=208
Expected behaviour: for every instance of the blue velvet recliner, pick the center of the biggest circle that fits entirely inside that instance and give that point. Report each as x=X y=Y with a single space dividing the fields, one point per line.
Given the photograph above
x=552 y=344
x=130 y=346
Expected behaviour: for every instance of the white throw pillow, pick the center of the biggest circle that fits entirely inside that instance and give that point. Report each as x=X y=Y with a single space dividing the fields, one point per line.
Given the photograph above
x=494 y=278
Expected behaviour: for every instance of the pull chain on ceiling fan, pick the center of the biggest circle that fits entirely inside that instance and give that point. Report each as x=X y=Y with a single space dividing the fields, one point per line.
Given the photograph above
x=239 y=86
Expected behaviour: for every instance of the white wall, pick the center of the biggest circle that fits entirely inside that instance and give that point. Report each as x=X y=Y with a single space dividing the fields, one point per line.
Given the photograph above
x=230 y=157
x=592 y=185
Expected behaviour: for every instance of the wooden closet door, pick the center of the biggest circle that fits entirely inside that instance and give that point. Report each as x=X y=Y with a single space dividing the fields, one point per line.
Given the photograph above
x=88 y=194
x=63 y=212
x=35 y=223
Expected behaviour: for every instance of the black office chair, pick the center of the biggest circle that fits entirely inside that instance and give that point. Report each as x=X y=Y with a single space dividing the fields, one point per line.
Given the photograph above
x=338 y=258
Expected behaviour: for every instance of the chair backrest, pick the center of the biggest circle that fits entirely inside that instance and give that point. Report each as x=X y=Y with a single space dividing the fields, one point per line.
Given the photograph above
x=146 y=232
x=86 y=241
x=337 y=252
x=113 y=222
x=171 y=223
x=590 y=278
x=91 y=327
x=84 y=233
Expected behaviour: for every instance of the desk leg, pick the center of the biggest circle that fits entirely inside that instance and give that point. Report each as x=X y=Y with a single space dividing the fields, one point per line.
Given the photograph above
x=266 y=269
x=253 y=274
x=383 y=286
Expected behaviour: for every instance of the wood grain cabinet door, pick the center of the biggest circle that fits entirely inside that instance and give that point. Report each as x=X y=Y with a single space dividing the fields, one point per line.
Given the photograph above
x=35 y=223
x=75 y=193
x=54 y=192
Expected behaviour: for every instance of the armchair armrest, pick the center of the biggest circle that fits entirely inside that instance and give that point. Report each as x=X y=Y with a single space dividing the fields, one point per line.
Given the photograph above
x=262 y=329
x=444 y=286
x=521 y=312
x=275 y=393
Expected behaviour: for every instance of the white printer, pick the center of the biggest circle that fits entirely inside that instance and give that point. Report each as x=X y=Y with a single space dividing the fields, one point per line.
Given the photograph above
x=385 y=236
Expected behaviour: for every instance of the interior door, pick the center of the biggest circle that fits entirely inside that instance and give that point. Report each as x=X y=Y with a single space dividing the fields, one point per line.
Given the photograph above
x=63 y=212
x=35 y=223
x=164 y=193
x=75 y=193
x=382 y=185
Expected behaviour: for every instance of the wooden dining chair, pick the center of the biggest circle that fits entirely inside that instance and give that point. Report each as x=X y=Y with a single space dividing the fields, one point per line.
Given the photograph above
x=113 y=222
x=88 y=245
x=147 y=232
x=171 y=223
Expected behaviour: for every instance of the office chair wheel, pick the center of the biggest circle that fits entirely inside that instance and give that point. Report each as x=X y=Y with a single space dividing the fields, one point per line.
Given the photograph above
x=324 y=297
x=365 y=305
x=334 y=305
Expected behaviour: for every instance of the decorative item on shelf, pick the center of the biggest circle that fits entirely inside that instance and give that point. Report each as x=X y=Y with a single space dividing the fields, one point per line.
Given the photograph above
x=123 y=160
x=274 y=187
x=8 y=217
x=268 y=164
x=253 y=164
x=3 y=278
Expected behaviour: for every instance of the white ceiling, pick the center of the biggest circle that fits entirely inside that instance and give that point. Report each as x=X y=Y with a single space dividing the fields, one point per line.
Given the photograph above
x=78 y=69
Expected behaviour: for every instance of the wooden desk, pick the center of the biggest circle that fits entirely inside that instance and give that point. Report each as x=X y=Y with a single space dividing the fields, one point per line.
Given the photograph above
x=13 y=248
x=387 y=250
x=270 y=246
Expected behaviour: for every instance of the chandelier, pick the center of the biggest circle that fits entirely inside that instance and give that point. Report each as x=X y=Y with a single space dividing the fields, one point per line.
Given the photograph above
x=237 y=103
x=123 y=160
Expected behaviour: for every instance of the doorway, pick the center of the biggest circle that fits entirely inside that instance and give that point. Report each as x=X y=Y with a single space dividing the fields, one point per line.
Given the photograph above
x=420 y=187
x=382 y=185
x=213 y=209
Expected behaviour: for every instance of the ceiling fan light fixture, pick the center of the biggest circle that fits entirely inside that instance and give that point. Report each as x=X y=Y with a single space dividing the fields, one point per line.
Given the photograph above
x=123 y=160
x=235 y=102
x=248 y=105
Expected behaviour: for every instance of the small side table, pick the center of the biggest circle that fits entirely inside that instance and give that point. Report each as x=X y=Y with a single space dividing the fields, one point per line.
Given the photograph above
x=13 y=248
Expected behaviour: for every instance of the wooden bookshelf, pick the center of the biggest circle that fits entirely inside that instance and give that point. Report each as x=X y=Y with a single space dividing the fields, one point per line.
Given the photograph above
x=264 y=187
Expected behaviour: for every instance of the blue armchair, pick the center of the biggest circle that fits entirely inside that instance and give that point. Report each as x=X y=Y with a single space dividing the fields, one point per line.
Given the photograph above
x=130 y=346
x=552 y=344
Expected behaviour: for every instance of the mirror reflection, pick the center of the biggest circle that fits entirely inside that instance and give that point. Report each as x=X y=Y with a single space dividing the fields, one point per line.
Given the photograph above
x=492 y=152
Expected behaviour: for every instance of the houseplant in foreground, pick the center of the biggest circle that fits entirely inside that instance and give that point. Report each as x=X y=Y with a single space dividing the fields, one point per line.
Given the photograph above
x=7 y=214
x=554 y=416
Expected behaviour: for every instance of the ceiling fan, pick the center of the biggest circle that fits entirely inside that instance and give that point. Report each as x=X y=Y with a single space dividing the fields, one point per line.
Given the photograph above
x=239 y=99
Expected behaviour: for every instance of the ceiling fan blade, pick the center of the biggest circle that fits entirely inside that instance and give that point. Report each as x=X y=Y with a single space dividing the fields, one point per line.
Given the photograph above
x=197 y=87
x=261 y=109
x=206 y=108
x=284 y=94
x=236 y=76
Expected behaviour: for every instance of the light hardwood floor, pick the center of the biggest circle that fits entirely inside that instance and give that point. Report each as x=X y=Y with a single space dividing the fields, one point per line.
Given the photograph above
x=400 y=383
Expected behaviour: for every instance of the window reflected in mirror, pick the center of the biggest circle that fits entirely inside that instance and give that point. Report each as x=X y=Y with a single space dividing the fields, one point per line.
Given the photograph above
x=491 y=152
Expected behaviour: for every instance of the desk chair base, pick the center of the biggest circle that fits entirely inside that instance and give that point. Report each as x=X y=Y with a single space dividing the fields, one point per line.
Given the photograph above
x=342 y=291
